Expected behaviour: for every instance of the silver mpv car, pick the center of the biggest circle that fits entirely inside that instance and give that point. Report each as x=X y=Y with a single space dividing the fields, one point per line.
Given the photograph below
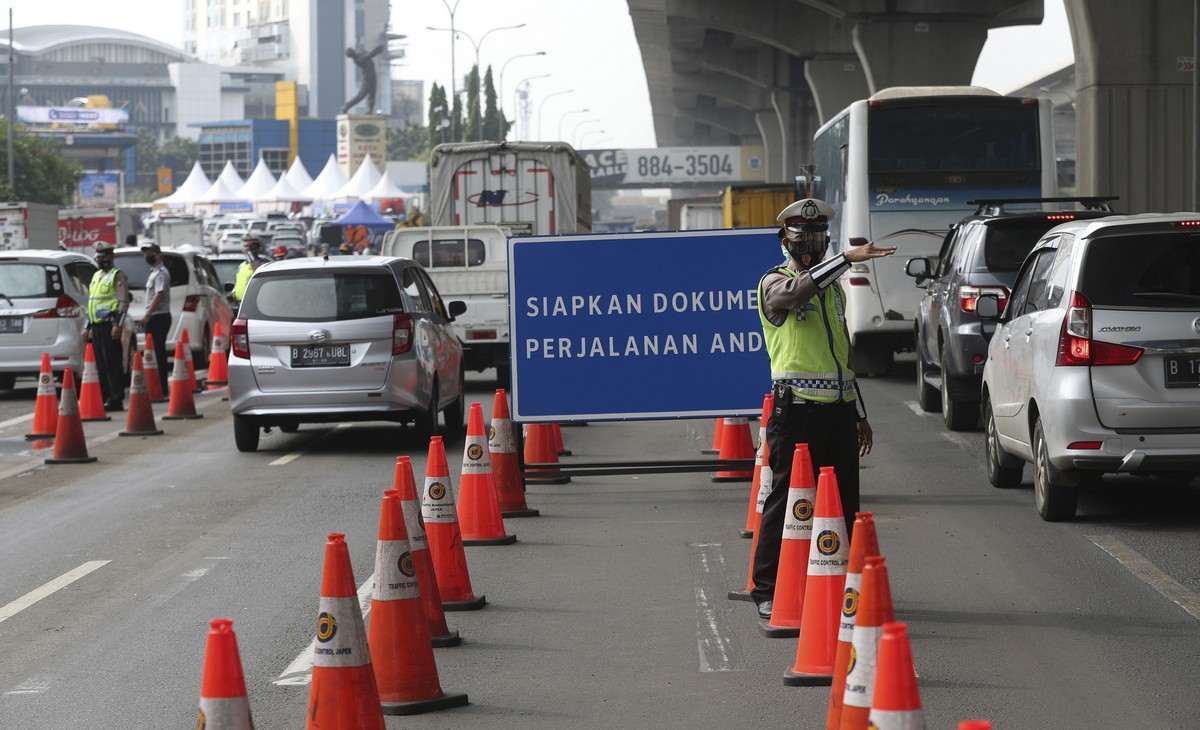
x=343 y=338
x=1095 y=365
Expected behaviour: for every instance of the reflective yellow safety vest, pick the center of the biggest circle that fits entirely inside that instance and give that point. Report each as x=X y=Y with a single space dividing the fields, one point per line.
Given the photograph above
x=811 y=350
x=102 y=296
x=244 y=272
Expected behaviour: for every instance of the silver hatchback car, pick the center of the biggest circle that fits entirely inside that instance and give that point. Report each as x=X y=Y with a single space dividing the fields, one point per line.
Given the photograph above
x=344 y=338
x=1095 y=364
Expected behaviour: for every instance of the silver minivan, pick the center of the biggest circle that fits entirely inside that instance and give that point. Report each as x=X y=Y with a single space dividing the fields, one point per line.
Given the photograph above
x=344 y=338
x=1095 y=364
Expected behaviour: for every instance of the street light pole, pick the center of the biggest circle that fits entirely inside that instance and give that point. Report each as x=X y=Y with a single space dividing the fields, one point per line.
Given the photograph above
x=542 y=106
x=500 y=90
x=563 y=118
x=588 y=134
x=478 y=70
x=517 y=91
x=575 y=131
x=453 y=71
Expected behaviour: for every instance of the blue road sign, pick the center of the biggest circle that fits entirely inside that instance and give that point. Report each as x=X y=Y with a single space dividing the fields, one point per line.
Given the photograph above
x=638 y=326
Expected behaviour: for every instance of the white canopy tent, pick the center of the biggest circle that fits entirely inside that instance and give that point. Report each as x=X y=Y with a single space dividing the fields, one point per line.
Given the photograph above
x=328 y=182
x=361 y=184
x=216 y=195
x=232 y=179
x=196 y=184
x=259 y=183
x=281 y=196
x=297 y=176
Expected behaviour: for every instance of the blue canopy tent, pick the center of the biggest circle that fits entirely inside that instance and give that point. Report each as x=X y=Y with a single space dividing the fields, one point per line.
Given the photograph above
x=357 y=221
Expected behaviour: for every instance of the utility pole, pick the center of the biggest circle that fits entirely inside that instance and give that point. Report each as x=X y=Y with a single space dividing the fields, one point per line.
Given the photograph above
x=12 y=108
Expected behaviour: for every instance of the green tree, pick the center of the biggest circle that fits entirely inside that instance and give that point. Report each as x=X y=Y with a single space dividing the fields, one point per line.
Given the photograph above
x=495 y=126
x=474 y=116
x=40 y=173
x=409 y=143
x=439 y=117
x=186 y=151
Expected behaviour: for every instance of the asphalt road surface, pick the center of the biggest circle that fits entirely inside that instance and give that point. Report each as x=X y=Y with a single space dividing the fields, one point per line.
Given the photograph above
x=610 y=609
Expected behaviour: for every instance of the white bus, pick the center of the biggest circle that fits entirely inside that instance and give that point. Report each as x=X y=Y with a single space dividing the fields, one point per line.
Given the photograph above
x=910 y=159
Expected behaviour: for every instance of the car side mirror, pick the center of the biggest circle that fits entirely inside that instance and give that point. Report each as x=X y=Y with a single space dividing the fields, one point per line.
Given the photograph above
x=456 y=308
x=918 y=269
x=228 y=287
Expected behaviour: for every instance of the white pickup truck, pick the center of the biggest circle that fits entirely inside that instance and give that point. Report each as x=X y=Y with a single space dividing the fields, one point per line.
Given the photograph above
x=467 y=263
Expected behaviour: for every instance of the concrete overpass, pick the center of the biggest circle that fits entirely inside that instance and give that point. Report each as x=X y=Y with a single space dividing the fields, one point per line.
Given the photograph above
x=769 y=72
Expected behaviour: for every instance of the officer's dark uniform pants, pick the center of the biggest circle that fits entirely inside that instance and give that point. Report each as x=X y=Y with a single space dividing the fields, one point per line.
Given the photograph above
x=831 y=433
x=159 y=327
x=108 y=362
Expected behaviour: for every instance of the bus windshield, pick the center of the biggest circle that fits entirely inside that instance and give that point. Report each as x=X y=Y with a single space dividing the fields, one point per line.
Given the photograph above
x=953 y=138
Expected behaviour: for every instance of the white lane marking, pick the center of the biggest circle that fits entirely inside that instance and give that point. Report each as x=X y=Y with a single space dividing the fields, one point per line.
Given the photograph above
x=31 y=686
x=15 y=421
x=961 y=440
x=22 y=468
x=299 y=672
x=912 y=406
x=288 y=458
x=1149 y=573
x=718 y=650
x=37 y=594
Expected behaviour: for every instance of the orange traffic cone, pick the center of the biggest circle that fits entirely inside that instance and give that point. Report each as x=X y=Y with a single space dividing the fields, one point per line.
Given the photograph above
x=69 y=444
x=182 y=404
x=187 y=354
x=760 y=461
x=863 y=544
x=140 y=421
x=45 y=410
x=896 y=704
x=91 y=398
x=765 y=477
x=223 y=701
x=735 y=444
x=445 y=538
x=975 y=725
x=218 y=364
x=405 y=671
x=539 y=449
x=343 y=694
x=510 y=488
x=431 y=597
x=151 y=365
x=823 y=590
x=874 y=610
x=478 y=506
x=793 y=550
x=716 y=444
x=559 y=449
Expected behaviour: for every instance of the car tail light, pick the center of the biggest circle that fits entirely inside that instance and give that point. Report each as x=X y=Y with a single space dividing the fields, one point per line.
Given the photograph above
x=1061 y=217
x=65 y=307
x=1086 y=445
x=968 y=296
x=191 y=302
x=240 y=339
x=1075 y=343
x=481 y=334
x=402 y=333
x=1188 y=224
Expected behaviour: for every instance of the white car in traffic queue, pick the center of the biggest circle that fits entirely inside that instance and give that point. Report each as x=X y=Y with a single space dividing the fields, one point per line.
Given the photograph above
x=1094 y=367
x=198 y=301
x=344 y=338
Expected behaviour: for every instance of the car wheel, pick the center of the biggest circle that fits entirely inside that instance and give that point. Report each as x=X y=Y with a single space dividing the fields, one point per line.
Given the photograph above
x=7 y=381
x=1054 y=493
x=456 y=413
x=927 y=395
x=1003 y=469
x=427 y=421
x=245 y=434
x=959 y=415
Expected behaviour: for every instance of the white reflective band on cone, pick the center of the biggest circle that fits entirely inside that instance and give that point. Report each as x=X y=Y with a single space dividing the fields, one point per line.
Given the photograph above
x=849 y=606
x=46 y=385
x=414 y=525
x=860 y=682
x=764 y=488
x=800 y=501
x=395 y=572
x=500 y=437
x=68 y=406
x=341 y=639
x=438 y=503
x=476 y=458
x=226 y=713
x=896 y=720
x=829 y=553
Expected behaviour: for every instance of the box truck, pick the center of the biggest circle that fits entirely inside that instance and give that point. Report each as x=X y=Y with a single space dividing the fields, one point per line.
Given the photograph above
x=28 y=225
x=755 y=206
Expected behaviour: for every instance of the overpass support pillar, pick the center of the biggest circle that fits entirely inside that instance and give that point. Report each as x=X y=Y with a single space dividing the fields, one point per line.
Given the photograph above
x=918 y=52
x=835 y=82
x=771 y=130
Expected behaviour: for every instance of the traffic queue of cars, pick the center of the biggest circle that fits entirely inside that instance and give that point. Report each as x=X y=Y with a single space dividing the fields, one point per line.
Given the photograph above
x=1077 y=341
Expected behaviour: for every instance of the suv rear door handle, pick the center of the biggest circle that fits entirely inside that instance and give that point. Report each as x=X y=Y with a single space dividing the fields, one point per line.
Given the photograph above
x=1029 y=332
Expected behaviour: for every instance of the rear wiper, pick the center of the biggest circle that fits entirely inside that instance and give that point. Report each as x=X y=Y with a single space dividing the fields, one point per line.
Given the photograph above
x=10 y=302
x=1167 y=295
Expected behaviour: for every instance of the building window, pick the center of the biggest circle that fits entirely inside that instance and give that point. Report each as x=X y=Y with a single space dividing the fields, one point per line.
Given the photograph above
x=237 y=18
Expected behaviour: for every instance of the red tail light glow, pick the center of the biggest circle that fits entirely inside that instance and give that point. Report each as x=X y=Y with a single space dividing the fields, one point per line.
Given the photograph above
x=1061 y=217
x=240 y=339
x=402 y=333
x=65 y=307
x=968 y=296
x=191 y=302
x=1075 y=343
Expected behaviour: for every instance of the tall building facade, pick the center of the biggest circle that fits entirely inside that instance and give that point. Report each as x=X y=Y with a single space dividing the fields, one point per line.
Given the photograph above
x=305 y=40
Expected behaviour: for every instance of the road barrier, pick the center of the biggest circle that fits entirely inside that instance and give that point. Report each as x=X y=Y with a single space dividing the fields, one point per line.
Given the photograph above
x=510 y=487
x=431 y=596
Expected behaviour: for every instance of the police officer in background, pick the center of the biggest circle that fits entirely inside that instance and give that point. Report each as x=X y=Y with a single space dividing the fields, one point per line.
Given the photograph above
x=108 y=299
x=252 y=248
x=157 y=319
x=816 y=398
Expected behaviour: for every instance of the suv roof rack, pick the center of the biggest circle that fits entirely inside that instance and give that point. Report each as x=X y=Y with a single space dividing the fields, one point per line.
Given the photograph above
x=995 y=206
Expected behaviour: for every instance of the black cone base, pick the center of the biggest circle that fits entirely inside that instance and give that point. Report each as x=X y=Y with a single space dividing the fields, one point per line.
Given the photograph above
x=520 y=513
x=506 y=540
x=446 y=701
x=778 y=632
x=472 y=605
x=448 y=639
x=800 y=679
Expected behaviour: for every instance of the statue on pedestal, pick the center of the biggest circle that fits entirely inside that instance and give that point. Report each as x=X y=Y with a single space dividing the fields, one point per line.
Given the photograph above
x=366 y=65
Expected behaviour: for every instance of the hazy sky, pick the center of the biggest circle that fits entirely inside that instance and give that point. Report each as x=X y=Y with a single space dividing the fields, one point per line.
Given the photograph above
x=591 y=54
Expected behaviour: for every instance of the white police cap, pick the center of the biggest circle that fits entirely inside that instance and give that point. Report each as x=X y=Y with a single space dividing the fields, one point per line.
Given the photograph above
x=806 y=211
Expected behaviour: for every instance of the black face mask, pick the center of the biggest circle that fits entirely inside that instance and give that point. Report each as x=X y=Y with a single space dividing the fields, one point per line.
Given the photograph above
x=151 y=259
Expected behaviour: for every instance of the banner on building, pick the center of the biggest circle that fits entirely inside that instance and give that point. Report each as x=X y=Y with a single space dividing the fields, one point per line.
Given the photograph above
x=99 y=190
x=664 y=167
x=70 y=115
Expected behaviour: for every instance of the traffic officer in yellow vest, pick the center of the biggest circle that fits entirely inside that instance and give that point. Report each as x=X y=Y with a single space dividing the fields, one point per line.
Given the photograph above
x=252 y=248
x=108 y=298
x=817 y=401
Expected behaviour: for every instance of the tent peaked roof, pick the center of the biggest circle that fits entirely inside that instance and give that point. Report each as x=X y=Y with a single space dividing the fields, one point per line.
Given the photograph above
x=359 y=186
x=196 y=184
x=259 y=183
x=362 y=215
x=385 y=188
x=281 y=193
x=328 y=182
x=218 y=193
x=297 y=176
x=232 y=179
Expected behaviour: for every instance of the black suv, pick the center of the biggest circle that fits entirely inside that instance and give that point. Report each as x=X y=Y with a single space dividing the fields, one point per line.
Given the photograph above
x=980 y=255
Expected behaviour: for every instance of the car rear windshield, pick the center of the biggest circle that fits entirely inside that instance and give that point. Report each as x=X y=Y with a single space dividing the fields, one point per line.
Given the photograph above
x=1009 y=241
x=448 y=252
x=138 y=271
x=28 y=280
x=1151 y=271
x=322 y=296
